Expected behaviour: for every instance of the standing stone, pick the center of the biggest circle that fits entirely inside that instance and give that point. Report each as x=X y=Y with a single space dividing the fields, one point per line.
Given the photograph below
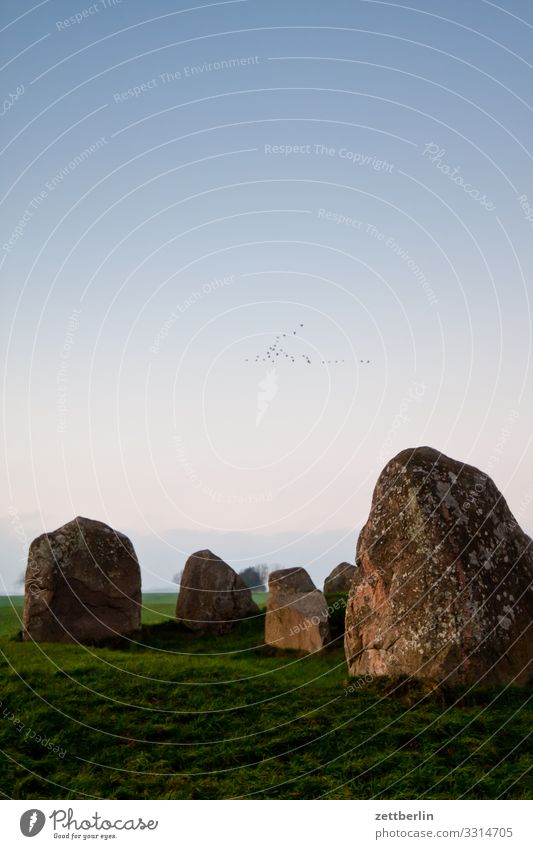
x=443 y=583
x=297 y=614
x=212 y=597
x=83 y=584
x=340 y=579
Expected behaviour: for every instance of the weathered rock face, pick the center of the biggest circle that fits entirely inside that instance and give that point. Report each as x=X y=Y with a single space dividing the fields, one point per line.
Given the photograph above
x=212 y=597
x=283 y=582
x=443 y=583
x=297 y=615
x=83 y=584
x=340 y=579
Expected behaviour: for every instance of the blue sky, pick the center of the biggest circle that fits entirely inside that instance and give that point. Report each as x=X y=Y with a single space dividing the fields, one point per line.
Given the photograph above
x=182 y=185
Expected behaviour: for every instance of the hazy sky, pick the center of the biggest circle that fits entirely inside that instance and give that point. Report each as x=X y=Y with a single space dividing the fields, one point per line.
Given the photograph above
x=183 y=184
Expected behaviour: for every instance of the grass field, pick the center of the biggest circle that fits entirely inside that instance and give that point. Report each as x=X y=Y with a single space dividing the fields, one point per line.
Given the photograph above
x=180 y=716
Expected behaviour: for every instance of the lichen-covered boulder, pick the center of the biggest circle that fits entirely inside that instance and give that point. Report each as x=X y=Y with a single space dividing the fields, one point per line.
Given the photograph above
x=83 y=584
x=297 y=614
x=442 y=589
x=339 y=579
x=212 y=597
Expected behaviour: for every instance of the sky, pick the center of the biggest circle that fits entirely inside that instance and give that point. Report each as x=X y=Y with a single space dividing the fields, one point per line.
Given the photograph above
x=344 y=186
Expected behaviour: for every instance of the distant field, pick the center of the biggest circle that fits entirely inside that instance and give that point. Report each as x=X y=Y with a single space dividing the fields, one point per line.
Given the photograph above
x=10 y=600
x=157 y=608
x=10 y=615
x=181 y=716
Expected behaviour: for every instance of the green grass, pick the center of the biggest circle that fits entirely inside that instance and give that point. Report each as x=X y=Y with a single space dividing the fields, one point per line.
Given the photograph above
x=189 y=717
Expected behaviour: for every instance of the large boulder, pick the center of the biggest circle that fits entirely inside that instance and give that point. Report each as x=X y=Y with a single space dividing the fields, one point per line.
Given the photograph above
x=443 y=583
x=340 y=579
x=83 y=584
x=297 y=614
x=212 y=597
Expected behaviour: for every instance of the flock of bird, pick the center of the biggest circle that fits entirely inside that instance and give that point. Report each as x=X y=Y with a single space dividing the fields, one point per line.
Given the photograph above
x=277 y=350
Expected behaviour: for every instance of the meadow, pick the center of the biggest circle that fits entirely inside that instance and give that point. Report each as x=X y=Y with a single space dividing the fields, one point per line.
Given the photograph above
x=183 y=716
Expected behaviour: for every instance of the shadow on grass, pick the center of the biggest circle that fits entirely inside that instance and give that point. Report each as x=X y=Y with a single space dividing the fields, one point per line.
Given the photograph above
x=415 y=692
x=247 y=635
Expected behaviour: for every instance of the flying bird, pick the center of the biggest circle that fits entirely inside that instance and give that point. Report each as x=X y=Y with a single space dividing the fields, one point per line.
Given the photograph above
x=276 y=350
